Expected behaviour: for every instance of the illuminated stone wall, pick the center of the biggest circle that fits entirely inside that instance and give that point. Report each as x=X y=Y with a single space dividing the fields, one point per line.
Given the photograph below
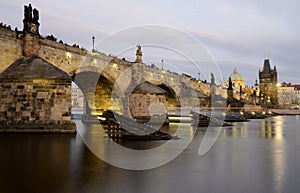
x=35 y=99
x=10 y=47
x=32 y=89
x=139 y=104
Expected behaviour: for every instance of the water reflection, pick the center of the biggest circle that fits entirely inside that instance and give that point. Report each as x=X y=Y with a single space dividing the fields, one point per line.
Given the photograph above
x=238 y=130
x=277 y=155
x=270 y=128
x=255 y=156
x=29 y=163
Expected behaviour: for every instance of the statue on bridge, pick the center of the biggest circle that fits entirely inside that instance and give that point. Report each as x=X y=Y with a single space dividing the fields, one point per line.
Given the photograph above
x=230 y=89
x=27 y=12
x=31 y=24
x=139 y=54
x=35 y=16
x=212 y=79
x=230 y=84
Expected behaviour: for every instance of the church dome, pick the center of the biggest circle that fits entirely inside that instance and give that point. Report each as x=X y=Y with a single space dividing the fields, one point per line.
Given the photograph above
x=236 y=76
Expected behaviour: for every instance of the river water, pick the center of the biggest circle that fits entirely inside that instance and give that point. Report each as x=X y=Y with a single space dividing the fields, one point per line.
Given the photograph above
x=256 y=156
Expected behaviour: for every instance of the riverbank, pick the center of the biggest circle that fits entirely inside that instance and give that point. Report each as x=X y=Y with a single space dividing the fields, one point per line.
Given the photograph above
x=285 y=111
x=67 y=127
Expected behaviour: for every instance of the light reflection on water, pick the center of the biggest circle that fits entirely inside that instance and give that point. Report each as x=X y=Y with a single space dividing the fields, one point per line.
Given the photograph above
x=280 y=130
x=255 y=156
x=270 y=128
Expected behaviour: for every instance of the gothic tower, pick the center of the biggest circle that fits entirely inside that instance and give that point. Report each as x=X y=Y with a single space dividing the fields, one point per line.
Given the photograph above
x=267 y=86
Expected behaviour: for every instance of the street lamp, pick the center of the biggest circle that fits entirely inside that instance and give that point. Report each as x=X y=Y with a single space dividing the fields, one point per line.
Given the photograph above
x=199 y=81
x=93 y=38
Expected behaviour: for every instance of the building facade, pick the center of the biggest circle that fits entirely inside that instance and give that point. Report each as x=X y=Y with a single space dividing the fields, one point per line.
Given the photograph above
x=77 y=97
x=288 y=96
x=297 y=96
x=268 y=86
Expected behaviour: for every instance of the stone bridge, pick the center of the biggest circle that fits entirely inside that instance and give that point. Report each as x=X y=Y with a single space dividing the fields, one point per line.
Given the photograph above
x=105 y=80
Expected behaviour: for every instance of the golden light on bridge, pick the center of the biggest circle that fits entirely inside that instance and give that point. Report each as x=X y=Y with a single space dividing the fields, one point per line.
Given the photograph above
x=68 y=55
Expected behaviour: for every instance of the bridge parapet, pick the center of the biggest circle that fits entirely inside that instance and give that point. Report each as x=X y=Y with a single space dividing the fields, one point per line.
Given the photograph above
x=7 y=33
x=10 y=47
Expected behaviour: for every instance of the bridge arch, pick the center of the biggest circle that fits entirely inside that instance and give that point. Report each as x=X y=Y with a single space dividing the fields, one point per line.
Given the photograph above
x=97 y=90
x=172 y=99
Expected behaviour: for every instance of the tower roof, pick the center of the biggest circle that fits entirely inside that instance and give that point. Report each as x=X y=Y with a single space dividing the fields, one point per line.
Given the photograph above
x=266 y=67
x=235 y=75
x=147 y=87
x=33 y=67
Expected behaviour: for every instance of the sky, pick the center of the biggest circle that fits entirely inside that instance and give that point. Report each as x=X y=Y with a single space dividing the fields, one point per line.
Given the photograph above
x=237 y=34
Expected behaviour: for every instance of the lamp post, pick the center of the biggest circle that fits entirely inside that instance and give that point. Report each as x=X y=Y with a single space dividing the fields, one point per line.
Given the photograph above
x=162 y=64
x=93 y=38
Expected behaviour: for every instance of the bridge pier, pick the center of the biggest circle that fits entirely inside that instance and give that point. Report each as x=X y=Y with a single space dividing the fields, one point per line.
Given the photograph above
x=35 y=97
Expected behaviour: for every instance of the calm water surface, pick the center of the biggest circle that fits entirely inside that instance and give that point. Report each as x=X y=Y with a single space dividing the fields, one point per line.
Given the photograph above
x=257 y=156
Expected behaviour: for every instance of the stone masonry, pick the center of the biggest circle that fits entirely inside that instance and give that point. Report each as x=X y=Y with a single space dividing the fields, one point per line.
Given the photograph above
x=143 y=97
x=34 y=90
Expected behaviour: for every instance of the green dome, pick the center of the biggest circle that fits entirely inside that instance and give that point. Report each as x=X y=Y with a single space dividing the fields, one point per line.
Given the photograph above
x=236 y=76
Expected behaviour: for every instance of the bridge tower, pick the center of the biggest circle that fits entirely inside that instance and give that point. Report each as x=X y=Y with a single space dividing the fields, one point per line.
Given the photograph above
x=267 y=85
x=31 y=31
